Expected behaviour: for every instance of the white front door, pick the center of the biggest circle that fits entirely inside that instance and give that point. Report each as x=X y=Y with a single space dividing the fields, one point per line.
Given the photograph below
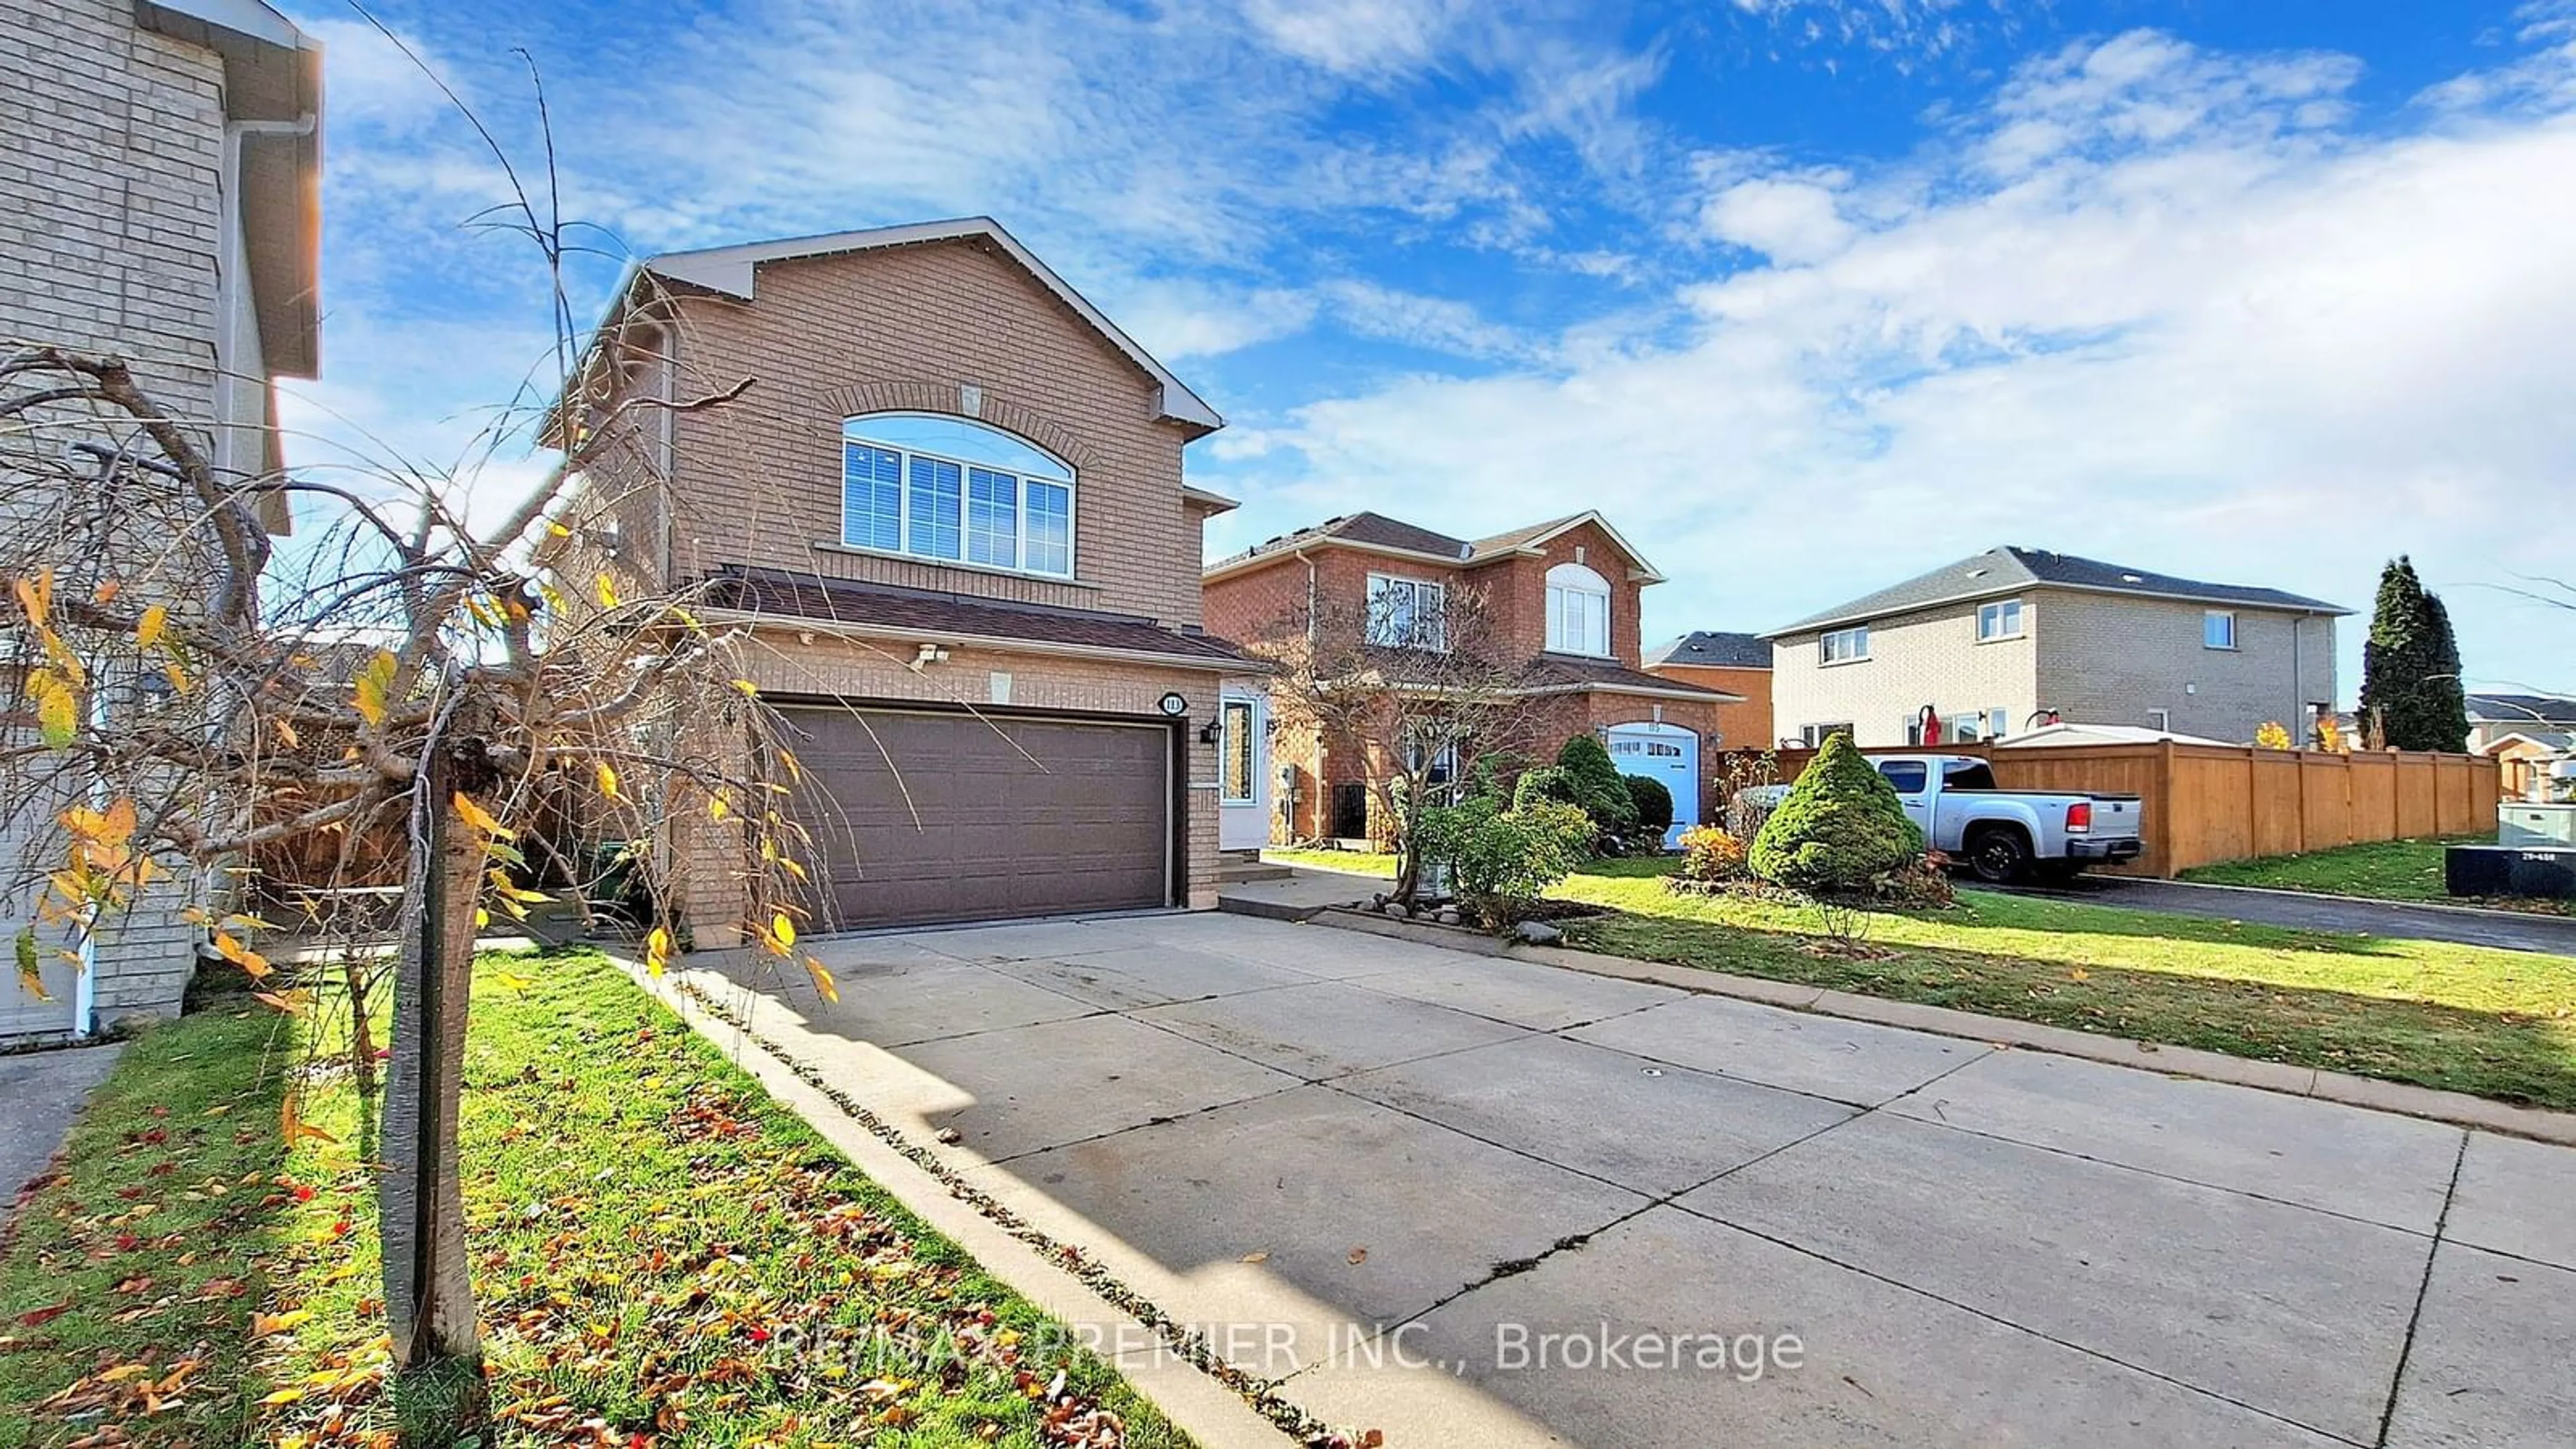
x=1664 y=752
x=1243 y=771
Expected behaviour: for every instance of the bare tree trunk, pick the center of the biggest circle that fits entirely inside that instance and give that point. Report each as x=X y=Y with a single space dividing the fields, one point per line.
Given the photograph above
x=440 y=1395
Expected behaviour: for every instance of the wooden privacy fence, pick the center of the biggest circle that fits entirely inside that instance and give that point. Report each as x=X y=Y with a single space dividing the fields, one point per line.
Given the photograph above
x=2208 y=803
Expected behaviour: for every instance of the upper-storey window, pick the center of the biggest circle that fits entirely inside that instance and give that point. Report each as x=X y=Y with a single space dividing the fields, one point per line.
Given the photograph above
x=1999 y=620
x=1578 y=610
x=1844 y=646
x=2218 y=629
x=955 y=490
x=1408 y=613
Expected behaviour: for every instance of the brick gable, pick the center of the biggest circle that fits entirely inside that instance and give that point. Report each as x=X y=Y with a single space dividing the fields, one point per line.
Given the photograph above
x=913 y=329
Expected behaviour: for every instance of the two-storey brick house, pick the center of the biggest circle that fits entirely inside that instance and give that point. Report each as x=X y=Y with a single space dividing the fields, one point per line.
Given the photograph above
x=1735 y=663
x=161 y=161
x=1559 y=601
x=2012 y=636
x=950 y=506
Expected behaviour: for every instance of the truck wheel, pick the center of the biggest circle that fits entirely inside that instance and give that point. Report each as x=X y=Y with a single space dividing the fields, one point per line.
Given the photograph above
x=1999 y=857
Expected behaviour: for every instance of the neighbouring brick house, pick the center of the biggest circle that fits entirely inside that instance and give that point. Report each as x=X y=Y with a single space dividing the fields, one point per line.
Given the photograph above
x=951 y=505
x=1738 y=664
x=1559 y=598
x=2016 y=634
x=161 y=164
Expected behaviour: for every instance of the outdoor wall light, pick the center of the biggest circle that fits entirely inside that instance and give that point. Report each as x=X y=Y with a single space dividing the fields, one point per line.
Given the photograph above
x=1211 y=732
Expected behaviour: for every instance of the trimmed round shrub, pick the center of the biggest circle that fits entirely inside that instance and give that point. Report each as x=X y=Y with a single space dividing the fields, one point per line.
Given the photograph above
x=1654 y=804
x=1841 y=828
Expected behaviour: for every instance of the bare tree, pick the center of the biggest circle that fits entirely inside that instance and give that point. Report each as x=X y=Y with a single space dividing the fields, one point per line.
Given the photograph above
x=1415 y=682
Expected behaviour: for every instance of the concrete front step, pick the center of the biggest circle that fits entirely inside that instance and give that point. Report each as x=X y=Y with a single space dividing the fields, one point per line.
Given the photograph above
x=1231 y=872
x=1235 y=866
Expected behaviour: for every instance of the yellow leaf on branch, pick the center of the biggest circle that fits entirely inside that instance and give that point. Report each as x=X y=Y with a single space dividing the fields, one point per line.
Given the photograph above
x=480 y=818
x=607 y=592
x=823 y=980
x=30 y=971
x=657 y=950
x=57 y=708
x=36 y=596
x=607 y=778
x=240 y=955
x=147 y=630
x=375 y=686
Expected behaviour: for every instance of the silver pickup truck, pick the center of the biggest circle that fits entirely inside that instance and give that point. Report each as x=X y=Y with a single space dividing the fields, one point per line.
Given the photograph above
x=2007 y=835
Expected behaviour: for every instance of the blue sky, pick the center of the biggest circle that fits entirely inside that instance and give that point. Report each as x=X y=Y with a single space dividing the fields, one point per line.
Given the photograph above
x=1807 y=295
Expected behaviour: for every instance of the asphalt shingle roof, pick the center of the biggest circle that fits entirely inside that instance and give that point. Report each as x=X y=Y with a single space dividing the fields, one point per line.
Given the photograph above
x=1556 y=671
x=2003 y=570
x=1370 y=528
x=1715 y=650
x=934 y=614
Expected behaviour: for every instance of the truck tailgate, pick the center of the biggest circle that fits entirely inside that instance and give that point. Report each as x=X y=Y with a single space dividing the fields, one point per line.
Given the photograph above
x=2116 y=816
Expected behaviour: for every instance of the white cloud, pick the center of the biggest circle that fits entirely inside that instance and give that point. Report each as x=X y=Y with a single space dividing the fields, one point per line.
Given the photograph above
x=370 y=81
x=1179 y=319
x=1435 y=324
x=1354 y=36
x=1790 y=220
x=2198 y=327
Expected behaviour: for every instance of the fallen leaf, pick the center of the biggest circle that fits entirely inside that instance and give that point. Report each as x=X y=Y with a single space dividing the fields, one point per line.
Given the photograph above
x=1359 y=1255
x=1258 y=1255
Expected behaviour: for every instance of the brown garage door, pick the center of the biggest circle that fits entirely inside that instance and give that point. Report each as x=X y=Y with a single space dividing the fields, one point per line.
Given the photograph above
x=1016 y=817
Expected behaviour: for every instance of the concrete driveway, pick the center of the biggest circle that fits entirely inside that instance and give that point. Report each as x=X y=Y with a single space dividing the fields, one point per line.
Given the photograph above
x=1476 y=1201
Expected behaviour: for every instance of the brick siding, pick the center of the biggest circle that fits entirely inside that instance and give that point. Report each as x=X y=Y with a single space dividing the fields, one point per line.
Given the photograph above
x=1745 y=726
x=111 y=153
x=758 y=481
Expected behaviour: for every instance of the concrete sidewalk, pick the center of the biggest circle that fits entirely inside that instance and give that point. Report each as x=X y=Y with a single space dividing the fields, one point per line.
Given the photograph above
x=1470 y=1200
x=40 y=1094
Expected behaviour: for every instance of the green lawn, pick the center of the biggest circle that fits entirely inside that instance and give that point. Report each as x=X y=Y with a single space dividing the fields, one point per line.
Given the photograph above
x=135 y=1274
x=662 y=1254
x=2389 y=870
x=2496 y=1023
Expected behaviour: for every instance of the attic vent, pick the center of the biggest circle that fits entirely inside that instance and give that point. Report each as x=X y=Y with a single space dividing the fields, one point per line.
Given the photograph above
x=1465 y=549
x=2131 y=579
x=1976 y=573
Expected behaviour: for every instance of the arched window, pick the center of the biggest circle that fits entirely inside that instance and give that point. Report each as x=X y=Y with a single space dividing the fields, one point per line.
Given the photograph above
x=1578 y=610
x=956 y=490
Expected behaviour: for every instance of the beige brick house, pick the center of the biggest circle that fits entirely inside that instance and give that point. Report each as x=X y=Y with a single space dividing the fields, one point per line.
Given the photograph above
x=2012 y=636
x=161 y=164
x=950 y=504
x=1560 y=599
